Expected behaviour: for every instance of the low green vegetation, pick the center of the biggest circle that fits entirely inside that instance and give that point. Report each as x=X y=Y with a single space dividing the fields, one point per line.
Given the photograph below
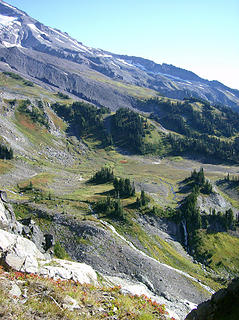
x=52 y=299
x=36 y=114
x=221 y=251
x=17 y=77
x=60 y=252
x=37 y=133
x=5 y=166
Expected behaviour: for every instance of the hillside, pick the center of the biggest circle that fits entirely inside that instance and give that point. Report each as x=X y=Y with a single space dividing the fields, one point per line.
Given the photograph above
x=54 y=60
x=59 y=147
x=119 y=179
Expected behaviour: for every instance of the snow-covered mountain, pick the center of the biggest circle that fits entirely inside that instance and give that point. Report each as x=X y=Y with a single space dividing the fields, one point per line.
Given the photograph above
x=56 y=60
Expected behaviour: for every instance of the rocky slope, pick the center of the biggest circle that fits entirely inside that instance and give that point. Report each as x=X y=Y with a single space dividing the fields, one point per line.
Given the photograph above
x=121 y=263
x=47 y=180
x=146 y=258
x=55 y=60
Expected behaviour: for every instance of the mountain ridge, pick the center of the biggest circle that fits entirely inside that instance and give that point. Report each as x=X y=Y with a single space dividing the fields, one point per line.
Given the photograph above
x=100 y=70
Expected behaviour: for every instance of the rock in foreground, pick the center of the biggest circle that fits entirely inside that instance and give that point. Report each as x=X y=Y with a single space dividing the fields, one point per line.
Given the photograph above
x=222 y=306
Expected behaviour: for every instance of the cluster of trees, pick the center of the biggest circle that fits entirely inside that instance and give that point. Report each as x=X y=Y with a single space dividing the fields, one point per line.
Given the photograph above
x=62 y=95
x=143 y=200
x=190 y=214
x=206 y=145
x=103 y=176
x=198 y=179
x=207 y=129
x=218 y=220
x=123 y=188
x=128 y=129
x=6 y=153
x=37 y=115
x=111 y=207
x=233 y=179
x=185 y=118
x=84 y=119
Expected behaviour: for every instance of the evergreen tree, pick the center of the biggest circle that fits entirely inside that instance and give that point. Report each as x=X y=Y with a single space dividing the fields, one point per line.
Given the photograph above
x=229 y=219
x=123 y=187
x=104 y=175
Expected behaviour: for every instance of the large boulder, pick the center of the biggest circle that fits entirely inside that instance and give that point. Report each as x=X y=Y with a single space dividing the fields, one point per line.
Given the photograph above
x=20 y=254
x=8 y=220
x=63 y=269
x=26 y=227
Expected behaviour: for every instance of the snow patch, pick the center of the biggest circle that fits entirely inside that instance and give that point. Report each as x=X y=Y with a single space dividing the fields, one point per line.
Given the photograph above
x=61 y=34
x=8 y=45
x=230 y=93
x=59 y=40
x=104 y=55
x=8 y=5
x=33 y=27
x=18 y=22
x=114 y=64
x=138 y=65
x=79 y=46
x=124 y=62
x=5 y=20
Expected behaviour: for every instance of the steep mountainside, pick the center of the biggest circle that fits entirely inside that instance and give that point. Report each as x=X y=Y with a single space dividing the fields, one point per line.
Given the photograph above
x=53 y=175
x=148 y=199
x=56 y=60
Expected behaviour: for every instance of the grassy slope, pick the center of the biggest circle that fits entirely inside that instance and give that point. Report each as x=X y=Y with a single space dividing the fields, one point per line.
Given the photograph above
x=18 y=87
x=46 y=299
x=224 y=250
x=165 y=173
x=132 y=90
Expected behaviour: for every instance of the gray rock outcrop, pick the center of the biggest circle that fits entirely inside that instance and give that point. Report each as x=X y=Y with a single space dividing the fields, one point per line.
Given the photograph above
x=28 y=254
x=20 y=254
x=223 y=305
x=25 y=227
